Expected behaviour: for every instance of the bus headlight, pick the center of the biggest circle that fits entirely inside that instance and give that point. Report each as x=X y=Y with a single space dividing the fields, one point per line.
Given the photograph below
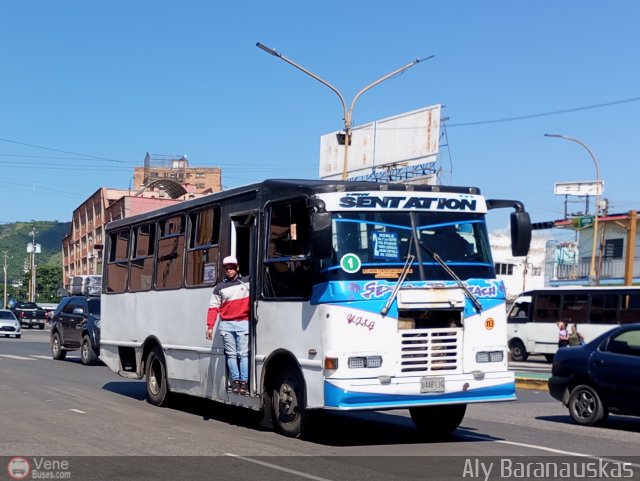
x=360 y=362
x=489 y=356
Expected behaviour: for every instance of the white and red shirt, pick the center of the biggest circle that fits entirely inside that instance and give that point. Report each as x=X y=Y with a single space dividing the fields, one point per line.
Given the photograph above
x=229 y=300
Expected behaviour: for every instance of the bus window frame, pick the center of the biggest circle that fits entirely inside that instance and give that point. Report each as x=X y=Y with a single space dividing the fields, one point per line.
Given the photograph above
x=193 y=247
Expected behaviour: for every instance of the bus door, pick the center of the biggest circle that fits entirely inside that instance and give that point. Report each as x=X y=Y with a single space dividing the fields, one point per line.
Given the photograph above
x=242 y=245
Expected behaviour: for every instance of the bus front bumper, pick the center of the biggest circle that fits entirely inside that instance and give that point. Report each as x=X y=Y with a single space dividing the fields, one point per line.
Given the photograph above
x=405 y=392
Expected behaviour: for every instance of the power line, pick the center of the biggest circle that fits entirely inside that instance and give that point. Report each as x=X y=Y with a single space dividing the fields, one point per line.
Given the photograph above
x=95 y=157
x=37 y=189
x=546 y=114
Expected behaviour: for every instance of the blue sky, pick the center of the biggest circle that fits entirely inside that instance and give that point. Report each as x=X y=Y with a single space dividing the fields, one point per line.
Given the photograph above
x=113 y=80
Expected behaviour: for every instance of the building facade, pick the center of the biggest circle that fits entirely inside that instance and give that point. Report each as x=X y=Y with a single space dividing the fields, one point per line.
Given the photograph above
x=82 y=248
x=164 y=180
x=157 y=168
x=519 y=273
x=615 y=260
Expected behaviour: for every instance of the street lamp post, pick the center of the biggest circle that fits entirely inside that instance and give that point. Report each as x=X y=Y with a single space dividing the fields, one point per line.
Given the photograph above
x=348 y=113
x=593 y=275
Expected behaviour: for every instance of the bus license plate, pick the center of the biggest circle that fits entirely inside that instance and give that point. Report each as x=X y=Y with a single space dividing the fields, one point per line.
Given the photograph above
x=432 y=384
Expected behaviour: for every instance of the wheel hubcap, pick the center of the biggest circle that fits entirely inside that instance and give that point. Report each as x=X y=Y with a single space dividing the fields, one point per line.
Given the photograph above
x=585 y=405
x=153 y=379
x=288 y=402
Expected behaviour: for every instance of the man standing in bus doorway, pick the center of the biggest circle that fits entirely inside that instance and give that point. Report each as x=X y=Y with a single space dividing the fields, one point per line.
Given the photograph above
x=230 y=301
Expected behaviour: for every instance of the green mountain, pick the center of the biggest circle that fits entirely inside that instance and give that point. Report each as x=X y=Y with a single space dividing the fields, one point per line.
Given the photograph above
x=15 y=237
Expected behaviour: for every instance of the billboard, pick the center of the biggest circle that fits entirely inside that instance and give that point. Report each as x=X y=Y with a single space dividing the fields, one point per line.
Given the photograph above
x=404 y=140
x=578 y=188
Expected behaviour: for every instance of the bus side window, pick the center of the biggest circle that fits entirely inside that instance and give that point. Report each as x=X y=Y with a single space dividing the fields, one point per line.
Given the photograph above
x=575 y=308
x=141 y=272
x=202 y=250
x=604 y=308
x=547 y=308
x=630 y=309
x=117 y=262
x=520 y=310
x=287 y=266
x=170 y=255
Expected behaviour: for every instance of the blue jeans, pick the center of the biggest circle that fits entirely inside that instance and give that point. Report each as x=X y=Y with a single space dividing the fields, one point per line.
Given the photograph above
x=235 y=337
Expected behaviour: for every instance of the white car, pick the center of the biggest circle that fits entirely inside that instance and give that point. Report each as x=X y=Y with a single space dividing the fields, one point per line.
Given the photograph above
x=9 y=325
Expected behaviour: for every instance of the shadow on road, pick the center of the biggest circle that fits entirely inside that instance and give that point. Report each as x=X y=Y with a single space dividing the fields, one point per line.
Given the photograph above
x=619 y=423
x=132 y=389
x=327 y=428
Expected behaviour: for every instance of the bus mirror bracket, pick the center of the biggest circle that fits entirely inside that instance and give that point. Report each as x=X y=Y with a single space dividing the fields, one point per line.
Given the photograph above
x=321 y=227
x=520 y=225
x=320 y=218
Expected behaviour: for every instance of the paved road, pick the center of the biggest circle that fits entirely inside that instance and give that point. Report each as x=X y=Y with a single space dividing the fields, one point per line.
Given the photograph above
x=63 y=409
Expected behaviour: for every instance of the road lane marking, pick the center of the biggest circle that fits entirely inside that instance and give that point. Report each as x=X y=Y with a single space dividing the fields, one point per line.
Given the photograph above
x=18 y=358
x=77 y=411
x=279 y=468
x=551 y=450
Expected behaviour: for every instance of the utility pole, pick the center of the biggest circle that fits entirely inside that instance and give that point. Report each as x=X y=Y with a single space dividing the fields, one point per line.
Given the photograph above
x=33 y=249
x=5 y=254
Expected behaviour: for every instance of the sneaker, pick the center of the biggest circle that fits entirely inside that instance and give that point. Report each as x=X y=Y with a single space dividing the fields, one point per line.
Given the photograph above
x=235 y=387
x=243 y=387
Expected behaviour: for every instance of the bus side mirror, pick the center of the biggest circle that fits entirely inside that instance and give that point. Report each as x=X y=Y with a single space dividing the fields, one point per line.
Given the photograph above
x=321 y=228
x=520 y=233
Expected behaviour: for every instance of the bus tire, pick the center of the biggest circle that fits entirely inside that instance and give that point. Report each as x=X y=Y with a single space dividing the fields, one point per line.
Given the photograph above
x=156 y=378
x=438 y=421
x=549 y=357
x=586 y=407
x=518 y=351
x=87 y=354
x=288 y=412
x=56 y=348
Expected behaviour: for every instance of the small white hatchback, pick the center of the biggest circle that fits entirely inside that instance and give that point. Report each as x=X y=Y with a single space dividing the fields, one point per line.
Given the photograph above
x=9 y=325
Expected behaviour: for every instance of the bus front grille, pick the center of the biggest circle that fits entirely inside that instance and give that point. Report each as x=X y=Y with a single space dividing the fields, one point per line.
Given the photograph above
x=427 y=351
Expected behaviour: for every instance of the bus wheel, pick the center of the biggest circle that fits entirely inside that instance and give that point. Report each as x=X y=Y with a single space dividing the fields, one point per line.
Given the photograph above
x=438 y=421
x=549 y=357
x=156 y=373
x=518 y=352
x=288 y=411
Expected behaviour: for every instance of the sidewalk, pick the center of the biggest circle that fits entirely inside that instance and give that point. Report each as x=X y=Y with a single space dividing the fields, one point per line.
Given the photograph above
x=531 y=380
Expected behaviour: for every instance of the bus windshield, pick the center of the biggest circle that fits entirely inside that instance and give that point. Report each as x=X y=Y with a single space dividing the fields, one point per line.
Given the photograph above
x=369 y=245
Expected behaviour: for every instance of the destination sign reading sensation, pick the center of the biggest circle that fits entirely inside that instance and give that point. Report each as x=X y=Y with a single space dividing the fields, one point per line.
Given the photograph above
x=423 y=201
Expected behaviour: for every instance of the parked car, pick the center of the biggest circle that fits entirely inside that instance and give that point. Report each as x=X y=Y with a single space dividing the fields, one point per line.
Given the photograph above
x=601 y=377
x=9 y=325
x=29 y=314
x=76 y=325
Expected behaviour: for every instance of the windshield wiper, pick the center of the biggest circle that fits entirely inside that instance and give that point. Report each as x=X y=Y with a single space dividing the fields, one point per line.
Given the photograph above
x=403 y=276
x=442 y=264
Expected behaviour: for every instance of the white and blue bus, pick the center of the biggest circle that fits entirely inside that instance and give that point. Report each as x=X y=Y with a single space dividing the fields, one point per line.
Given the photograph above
x=365 y=296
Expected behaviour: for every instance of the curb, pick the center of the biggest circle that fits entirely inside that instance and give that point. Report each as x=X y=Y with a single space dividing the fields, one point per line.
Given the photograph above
x=533 y=384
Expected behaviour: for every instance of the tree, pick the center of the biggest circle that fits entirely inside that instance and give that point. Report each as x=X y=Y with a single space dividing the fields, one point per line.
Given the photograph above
x=48 y=280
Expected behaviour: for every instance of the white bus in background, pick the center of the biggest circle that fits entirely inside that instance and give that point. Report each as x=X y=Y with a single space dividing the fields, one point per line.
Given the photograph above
x=365 y=296
x=533 y=318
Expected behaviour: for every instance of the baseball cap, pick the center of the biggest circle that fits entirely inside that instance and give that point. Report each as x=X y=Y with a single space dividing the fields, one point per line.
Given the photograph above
x=229 y=260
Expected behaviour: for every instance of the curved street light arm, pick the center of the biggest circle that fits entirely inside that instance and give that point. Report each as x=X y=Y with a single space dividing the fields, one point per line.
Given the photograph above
x=382 y=79
x=311 y=74
x=347 y=113
x=594 y=275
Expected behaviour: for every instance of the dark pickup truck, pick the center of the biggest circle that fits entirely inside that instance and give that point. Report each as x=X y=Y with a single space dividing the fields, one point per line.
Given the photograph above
x=29 y=314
